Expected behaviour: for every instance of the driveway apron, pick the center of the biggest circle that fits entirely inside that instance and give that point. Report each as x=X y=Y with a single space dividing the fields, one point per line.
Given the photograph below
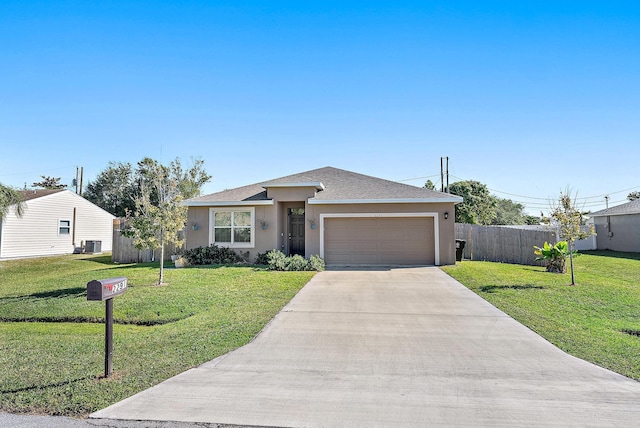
x=401 y=347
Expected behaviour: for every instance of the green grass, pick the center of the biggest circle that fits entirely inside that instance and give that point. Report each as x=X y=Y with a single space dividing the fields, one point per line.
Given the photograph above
x=592 y=320
x=52 y=338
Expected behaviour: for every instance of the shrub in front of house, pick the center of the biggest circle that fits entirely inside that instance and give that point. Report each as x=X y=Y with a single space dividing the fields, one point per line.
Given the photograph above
x=212 y=255
x=316 y=263
x=277 y=260
x=262 y=258
x=274 y=259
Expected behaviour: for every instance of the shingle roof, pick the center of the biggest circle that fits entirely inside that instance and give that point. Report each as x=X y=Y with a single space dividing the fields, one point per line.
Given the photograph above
x=632 y=207
x=339 y=185
x=28 y=195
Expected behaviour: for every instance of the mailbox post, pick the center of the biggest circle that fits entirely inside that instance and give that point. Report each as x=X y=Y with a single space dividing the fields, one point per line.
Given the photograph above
x=105 y=290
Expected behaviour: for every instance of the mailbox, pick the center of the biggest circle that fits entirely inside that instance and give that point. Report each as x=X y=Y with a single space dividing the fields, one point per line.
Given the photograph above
x=103 y=289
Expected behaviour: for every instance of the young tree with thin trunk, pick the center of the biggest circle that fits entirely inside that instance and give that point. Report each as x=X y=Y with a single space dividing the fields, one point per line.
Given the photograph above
x=159 y=214
x=569 y=220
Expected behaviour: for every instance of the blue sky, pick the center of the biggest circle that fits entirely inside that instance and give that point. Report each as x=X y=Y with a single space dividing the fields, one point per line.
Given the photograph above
x=526 y=97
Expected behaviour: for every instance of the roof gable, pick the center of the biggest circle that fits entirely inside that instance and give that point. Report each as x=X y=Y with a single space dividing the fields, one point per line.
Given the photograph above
x=632 y=207
x=28 y=195
x=333 y=186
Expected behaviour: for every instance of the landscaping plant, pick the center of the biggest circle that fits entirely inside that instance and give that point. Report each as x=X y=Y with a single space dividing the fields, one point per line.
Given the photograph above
x=277 y=260
x=212 y=255
x=159 y=214
x=555 y=255
x=569 y=221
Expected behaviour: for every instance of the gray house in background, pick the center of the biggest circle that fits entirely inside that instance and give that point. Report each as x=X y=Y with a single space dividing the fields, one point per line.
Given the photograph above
x=618 y=227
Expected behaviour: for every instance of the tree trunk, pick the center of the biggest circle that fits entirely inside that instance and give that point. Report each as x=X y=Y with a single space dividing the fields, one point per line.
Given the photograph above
x=573 y=278
x=161 y=279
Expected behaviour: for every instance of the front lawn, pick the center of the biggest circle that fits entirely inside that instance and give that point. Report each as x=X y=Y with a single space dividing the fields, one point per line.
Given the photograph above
x=52 y=338
x=598 y=320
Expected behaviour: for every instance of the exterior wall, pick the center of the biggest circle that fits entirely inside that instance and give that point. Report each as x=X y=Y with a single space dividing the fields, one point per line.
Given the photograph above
x=588 y=244
x=446 y=227
x=265 y=239
x=197 y=217
x=624 y=231
x=275 y=218
x=36 y=232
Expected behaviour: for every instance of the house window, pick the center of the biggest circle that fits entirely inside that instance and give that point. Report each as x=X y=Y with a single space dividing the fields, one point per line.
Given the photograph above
x=232 y=227
x=64 y=227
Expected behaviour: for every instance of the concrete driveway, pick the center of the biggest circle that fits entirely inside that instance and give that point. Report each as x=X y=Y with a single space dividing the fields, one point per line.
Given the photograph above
x=395 y=348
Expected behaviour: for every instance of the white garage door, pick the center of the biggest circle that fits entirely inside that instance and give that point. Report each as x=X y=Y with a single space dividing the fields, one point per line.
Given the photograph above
x=379 y=241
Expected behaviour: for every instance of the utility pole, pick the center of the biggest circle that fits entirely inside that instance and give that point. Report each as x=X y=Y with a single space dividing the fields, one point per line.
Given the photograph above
x=441 y=175
x=447 y=174
x=444 y=188
x=606 y=200
x=81 y=176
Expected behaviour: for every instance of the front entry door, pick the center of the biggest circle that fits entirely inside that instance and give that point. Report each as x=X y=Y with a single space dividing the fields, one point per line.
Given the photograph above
x=296 y=234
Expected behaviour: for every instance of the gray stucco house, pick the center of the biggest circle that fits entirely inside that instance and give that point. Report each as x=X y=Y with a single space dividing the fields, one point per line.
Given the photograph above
x=618 y=228
x=345 y=217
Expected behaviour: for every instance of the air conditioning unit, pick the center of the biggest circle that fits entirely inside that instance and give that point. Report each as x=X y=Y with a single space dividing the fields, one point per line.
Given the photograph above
x=93 y=247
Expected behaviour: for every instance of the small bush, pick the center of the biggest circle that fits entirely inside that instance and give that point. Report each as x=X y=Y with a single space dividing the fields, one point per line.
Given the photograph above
x=262 y=258
x=297 y=263
x=212 y=255
x=316 y=263
x=276 y=260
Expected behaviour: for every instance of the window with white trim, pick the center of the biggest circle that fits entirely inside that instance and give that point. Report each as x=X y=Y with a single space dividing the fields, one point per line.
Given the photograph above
x=64 y=227
x=232 y=227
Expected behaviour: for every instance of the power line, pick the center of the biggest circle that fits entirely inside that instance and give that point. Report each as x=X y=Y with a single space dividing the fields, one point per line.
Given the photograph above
x=37 y=172
x=578 y=198
x=519 y=196
x=419 y=178
x=583 y=202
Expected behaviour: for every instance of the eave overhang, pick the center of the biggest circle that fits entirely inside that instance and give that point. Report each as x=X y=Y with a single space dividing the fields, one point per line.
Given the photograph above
x=227 y=203
x=454 y=200
x=316 y=184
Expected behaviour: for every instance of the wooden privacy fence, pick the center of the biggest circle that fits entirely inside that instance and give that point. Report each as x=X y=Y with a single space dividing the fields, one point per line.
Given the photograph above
x=503 y=243
x=123 y=250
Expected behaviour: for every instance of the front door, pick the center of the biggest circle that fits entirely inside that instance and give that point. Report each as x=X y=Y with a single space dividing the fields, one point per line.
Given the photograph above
x=296 y=231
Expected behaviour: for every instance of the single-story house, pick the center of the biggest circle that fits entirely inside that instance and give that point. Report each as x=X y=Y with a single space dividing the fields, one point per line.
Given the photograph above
x=344 y=217
x=55 y=222
x=618 y=228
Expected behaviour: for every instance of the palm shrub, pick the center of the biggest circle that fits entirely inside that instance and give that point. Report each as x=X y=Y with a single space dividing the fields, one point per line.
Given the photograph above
x=555 y=256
